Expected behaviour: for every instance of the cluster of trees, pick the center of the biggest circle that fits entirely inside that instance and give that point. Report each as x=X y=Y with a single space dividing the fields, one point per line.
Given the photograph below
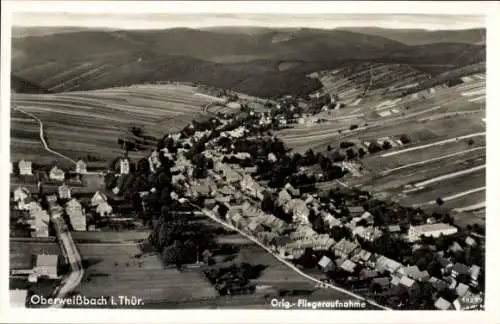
x=235 y=279
x=180 y=242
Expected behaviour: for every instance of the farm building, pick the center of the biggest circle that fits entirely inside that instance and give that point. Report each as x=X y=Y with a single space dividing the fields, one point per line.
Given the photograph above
x=98 y=199
x=442 y=304
x=325 y=264
x=384 y=263
x=64 y=191
x=56 y=174
x=76 y=215
x=21 y=194
x=25 y=167
x=104 y=209
x=81 y=167
x=46 y=266
x=344 y=248
x=432 y=230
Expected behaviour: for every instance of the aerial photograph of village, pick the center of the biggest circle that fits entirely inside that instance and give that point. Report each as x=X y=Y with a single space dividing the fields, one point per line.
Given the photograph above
x=247 y=161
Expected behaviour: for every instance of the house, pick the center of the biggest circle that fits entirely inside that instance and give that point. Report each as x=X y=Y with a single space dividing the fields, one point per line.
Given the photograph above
x=32 y=207
x=104 y=209
x=21 y=194
x=344 y=248
x=438 y=284
x=355 y=211
x=76 y=215
x=367 y=233
x=470 y=241
x=46 y=266
x=383 y=263
x=462 y=289
x=271 y=157
x=394 y=229
x=395 y=280
x=474 y=274
x=251 y=187
x=98 y=199
x=294 y=192
x=361 y=257
x=368 y=274
x=348 y=266
x=430 y=230
x=25 y=167
x=326 y=264
x=409 y=284
x=300 y=212
x=51 y=199
x=284 y=197
x=64 y=191
x=329 y=220
x=18 y=298
x=455 y=247
x=446 y=264
x=442 y=304
x=124 y=166
x=255 y=226
x=56 y=174
x=384 y=282
x=414 y=273
x=81 y=167
x=459 y=268
x=368 y=217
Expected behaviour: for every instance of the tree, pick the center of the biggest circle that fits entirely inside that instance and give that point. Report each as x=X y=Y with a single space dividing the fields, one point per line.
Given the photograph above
x=404 y=139
x=374 y=148
x=439 y=201
x=386 y=145
x=353 y=127
x=351 y=154
x=267 y=204
x=470 y=142
x=361 y=152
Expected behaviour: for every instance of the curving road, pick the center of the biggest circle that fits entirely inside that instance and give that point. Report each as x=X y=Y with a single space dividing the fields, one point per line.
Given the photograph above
x=42 y=138
x=211 y=215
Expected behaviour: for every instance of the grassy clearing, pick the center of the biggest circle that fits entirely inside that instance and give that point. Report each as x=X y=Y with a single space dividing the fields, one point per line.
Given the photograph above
x=116 y=269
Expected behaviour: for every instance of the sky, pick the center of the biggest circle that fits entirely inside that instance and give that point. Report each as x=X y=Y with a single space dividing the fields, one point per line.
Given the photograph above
x=193 y=20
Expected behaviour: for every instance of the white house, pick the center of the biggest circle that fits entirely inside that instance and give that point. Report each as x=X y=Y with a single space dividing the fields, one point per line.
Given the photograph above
x=432 y=230
x=46 y=265
x=326 y=263
x=56 y=174
x=81 y=167
x=64 y=191
x=73 y=206
x=20 y=194
x=98 y=199
x=104 y=209
x=124 y=166
x=76 y=215
x=25 y=167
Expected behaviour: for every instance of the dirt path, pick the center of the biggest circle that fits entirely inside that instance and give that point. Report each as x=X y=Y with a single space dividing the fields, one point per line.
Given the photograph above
x=42 y=138
x=421 y=147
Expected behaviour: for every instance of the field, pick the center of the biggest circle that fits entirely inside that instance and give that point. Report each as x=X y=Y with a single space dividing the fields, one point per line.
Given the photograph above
x=21 y=251
x=446 y=132
x=117 y=269
x=88 y=124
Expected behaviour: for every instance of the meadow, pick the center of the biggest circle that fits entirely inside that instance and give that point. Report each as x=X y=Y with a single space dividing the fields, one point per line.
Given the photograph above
x=88 y=124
